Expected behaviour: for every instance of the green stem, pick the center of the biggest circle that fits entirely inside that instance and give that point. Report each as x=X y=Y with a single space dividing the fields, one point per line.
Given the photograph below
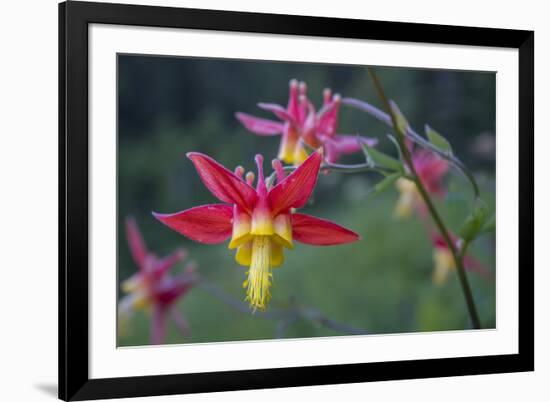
x=458 y=256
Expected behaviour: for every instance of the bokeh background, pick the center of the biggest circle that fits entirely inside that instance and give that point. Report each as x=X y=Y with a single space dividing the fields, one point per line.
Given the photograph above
x=168 y=106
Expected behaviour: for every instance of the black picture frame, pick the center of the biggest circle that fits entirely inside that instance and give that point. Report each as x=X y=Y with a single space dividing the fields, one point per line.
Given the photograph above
x=74 y=381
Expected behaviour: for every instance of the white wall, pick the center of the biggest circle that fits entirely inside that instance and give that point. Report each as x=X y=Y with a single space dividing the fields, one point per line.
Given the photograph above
x=28 y=200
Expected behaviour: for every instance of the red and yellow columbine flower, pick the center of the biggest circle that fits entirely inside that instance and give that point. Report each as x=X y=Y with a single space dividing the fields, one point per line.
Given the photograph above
x=260 y=222
x=152 y=288
x=300 y=123
x=430 y=169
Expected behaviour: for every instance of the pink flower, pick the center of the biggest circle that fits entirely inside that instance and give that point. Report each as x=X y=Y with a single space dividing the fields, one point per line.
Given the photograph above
x=260 y=222
x=300 y=123
x=152 y=288
x=444 y=262
x=431 y=170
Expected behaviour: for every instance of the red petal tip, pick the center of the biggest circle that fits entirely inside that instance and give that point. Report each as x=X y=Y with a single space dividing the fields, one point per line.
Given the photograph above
x=208 y=224
x=321 y=232
x=296 y=188
x=223 y=183
x=157 y=215
x=258 y=125
x=194 y=154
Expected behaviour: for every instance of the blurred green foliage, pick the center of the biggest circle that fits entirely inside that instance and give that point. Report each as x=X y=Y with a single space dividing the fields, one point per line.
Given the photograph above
x=168 y=106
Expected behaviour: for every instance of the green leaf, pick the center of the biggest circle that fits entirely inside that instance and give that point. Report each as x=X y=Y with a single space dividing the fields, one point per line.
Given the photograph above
x=438 y=140
x=379 y=159
x=489 y=226
x=402 y=123
x=475 y=221
x=386 y=182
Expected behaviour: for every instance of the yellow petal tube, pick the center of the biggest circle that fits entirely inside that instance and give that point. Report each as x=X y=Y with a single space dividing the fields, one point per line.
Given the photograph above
x=277 y=255
x=244 y=254
x=282 y=226
x=262 y=222
x=289 y=141
x=300 y=154
x=443 y=264
x=241 y=228
x=407 y=198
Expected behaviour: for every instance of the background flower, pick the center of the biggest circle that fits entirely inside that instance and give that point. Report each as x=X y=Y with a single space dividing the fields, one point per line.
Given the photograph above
x=301 y=125
x=444 y=263
x=152 y=288
x=431 y=170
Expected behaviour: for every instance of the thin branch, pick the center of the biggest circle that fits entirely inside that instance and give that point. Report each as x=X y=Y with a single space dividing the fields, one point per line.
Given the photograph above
x=286 y=316
x=242 y=307
x=356 y=168
x=282 y=327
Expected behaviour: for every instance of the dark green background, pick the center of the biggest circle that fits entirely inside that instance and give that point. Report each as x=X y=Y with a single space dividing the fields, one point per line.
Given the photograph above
x=168 y=106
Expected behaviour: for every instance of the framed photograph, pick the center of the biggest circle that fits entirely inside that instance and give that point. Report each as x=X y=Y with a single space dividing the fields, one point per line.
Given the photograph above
x=256 y=201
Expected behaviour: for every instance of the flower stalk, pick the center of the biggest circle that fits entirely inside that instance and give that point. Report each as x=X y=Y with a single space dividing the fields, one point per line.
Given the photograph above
x=458 y=255
x=334 y=167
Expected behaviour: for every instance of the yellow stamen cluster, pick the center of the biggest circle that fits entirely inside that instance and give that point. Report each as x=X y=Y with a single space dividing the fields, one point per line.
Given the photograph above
x=260 y=241
x=259 y=275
